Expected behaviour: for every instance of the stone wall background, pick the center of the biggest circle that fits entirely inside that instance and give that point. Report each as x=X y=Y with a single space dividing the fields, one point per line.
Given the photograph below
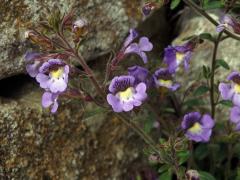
x=69 y=145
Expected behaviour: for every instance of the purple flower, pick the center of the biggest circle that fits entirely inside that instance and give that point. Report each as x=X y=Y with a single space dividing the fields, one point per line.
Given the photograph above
x=235 y=117
x=163 y=78
x=32 y=63
x=50 y=100
x=141 y=74
x=53 y=75
x=176 y=55
x=125 y=93
x=140 y=48
x=231 y=91
x=197 y=127
x=228 y=21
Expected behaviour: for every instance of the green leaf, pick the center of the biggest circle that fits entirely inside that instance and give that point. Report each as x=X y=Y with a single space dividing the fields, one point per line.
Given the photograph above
x=163 y=168
x=183 y=156
x=205 y=2
x=200 y=91
x=207 y=36
x=222 y=63
x=227 y=103
x=201 y=151
x=194 y=102
x=206 y=72
x=166 y=176
x=174 y=3
x=205 y=176
x=213 y=5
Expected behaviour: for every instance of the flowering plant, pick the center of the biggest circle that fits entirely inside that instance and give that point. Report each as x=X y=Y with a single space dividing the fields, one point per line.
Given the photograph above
x=147 y=93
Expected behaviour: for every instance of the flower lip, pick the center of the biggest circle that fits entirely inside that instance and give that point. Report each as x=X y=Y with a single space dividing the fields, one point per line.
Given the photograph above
x=51 y=65
x=191 y=119
x=235 y=77
x=164 y=78
x=121 y=83
x=163 y=73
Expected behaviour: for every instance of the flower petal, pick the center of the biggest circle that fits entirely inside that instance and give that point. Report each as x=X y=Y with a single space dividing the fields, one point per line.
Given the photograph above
x=207 y=121
x=236 y=99
x=47 y=99
x=58 y=86
x=145 y=44
x=226 y=91
x=132 y=35
x=235 y=114
x=114 y=102
x=43 y=80
x=127 y=106
x=54 y=107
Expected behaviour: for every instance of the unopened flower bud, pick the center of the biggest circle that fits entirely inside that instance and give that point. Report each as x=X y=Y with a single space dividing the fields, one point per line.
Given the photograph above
x=80 y=28
x=148 y=7
x=38 y=39
x=192 y=175
x=153 y=158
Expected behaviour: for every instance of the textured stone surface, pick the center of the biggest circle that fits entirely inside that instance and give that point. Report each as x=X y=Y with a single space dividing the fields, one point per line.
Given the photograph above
x=37 y=145
x=109 y=23
x=228 y=50
x=69 y=145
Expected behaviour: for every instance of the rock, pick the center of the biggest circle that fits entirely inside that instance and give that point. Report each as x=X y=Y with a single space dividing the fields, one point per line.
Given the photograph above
x=192 y=24
x=71 y=144
x=109 y=22
x=37 y=145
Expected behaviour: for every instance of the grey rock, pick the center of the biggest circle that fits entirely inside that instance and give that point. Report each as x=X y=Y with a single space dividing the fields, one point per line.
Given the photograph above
x=109 y=22
x=192 y=24
x=37 y=145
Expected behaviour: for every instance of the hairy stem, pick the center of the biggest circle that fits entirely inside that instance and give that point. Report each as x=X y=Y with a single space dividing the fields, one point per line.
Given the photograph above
x=148 y=140
x=83 y=63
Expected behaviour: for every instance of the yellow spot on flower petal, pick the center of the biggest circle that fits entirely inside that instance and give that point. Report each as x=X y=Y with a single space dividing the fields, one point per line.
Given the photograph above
x=196 y=128
x=126 y=95
x=179 y=57
x=237 y=88
x=57 y=73
x=166 y=83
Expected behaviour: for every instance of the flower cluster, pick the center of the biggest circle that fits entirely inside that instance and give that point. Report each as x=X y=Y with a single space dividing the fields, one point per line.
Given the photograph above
x=51 y=74
x=174 y=56
x=127 y=91
x=231 y=91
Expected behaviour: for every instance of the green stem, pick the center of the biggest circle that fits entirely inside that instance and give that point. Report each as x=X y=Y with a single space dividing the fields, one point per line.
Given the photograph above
x=202 y=12
x=212 y=99
x=148 y=140
x=228 y=165
x=175 y=163
x=83 y=63
x=97 y=86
